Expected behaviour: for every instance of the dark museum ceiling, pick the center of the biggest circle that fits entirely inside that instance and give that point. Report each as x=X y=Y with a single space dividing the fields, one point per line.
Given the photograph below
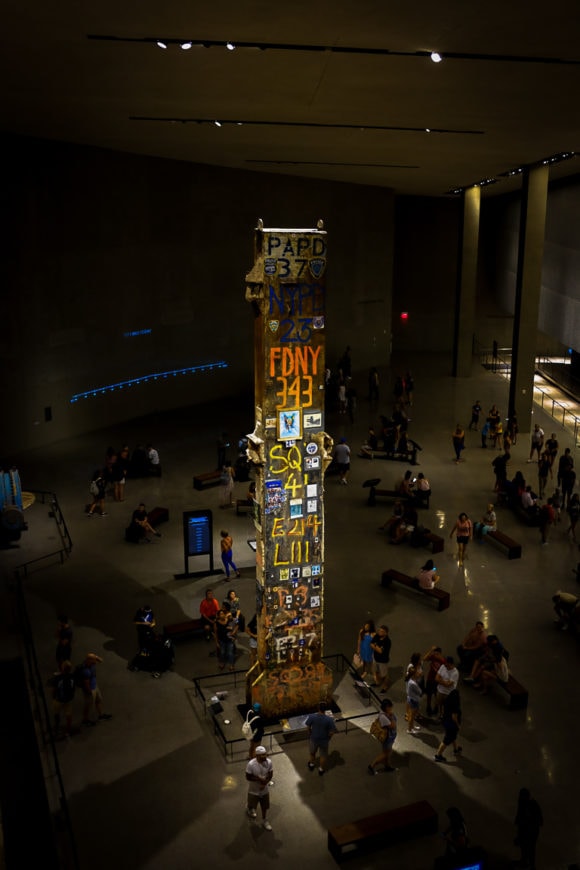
x=343 y=91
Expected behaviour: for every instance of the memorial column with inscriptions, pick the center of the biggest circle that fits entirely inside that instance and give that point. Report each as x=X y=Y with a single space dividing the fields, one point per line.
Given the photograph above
x=290 y=451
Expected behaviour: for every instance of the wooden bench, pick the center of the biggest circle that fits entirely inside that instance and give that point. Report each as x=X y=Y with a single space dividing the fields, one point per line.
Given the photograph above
x=184 y=630
x=243 y=505
x=158 y=515
x=434 y=541
x=518 y=695
x=383 y=829
x=514 y=550
x=210 y=478
x=391 y=575
x=419 y=499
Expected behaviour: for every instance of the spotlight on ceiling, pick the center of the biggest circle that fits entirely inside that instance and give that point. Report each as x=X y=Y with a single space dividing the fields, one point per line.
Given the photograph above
x=186 y=46
x=217 y=123
x=230 y=46
x=436 y=57
x=161 y=44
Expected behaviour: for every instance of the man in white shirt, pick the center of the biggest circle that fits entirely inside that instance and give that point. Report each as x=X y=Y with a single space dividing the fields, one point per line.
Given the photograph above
x=446 y=678
x=259 y=773
x=537 y=442
x=153 y=457
x=342 y=457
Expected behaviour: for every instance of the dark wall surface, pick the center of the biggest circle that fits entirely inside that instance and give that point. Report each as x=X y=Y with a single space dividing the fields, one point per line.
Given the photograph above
x=98 y=244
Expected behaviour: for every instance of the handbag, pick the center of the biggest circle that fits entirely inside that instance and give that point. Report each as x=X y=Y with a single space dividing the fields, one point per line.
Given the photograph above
x=357 y=661
x=247 y=730
x=378 y=732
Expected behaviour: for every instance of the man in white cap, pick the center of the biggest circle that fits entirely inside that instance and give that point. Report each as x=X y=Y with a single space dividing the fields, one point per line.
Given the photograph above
x=259 y=772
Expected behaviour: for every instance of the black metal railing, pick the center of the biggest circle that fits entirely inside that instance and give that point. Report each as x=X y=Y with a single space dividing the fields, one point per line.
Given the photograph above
x=54 y=784
x=45 y=496
x=204 y=685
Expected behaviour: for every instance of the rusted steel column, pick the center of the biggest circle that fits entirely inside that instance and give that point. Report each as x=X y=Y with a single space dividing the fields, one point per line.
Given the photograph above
x=287 y=290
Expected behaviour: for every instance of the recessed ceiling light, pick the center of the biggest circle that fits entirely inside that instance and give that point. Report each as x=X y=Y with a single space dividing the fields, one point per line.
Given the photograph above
x=161 y=44
x=230 y=46
x=427 y=129
x=436 y=57
x=217 y=123
x=186 y=46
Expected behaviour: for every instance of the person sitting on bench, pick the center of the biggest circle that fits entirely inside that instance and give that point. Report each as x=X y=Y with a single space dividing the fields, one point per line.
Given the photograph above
x=427 y=576
x=406 y=525
x=394 y=520
x=422 y=488
x=529 y=501
x=405 y=486
x=567 y=608
x=488 y=523
x=140 y=527
x=493 y=653
x=371 y=446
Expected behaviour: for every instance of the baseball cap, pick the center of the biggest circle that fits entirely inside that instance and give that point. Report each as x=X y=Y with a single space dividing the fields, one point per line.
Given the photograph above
x=261 y=750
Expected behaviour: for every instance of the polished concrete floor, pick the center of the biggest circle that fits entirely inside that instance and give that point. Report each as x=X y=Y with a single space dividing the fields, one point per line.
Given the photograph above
x=151 y=788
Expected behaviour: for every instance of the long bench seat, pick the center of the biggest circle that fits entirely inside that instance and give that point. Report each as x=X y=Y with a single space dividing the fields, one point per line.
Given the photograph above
x=442 y=597
x=402 y=823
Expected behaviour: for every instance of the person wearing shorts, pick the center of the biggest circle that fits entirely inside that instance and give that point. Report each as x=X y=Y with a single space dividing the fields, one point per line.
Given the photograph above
x=342 y=457
x=91 y=692
x=388 y=721
x=321 y=727
x=259 y=773
x=381 y=647
x=463 y=529
x=451 y=723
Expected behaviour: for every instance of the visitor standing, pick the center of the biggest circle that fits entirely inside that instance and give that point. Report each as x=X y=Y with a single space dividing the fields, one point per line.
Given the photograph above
x=342 y=458
x=259 y=773
x=321 y=727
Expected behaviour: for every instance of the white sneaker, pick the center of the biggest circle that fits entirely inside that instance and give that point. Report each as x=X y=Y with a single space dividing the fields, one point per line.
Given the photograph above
x=266 y=825
x=251 y=813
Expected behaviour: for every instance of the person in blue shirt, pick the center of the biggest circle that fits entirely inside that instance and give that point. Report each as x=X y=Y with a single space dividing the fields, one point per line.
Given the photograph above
x=321 y=727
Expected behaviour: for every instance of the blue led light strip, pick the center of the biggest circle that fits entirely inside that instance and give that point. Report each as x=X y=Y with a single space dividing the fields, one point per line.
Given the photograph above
x=190 y=370
x=136 y=332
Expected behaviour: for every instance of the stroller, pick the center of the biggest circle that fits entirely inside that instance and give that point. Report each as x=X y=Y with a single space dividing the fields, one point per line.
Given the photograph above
x=156 y=654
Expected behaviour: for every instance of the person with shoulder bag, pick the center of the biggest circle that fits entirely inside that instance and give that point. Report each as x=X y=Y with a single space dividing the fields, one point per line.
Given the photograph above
x=388 y=721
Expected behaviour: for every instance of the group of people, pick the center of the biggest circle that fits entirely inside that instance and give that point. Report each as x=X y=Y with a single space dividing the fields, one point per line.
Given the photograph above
x=67 y=679
x=110 y=478
x=259 y=769
x=223 y=623
x=520 y=495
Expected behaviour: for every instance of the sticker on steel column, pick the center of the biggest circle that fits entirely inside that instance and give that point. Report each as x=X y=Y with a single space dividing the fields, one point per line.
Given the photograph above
x=273 y=325
x=312 y=462
x=312 y=448
x=313 y=420
x=318 y=322
x=270 y=266
x=317 y=265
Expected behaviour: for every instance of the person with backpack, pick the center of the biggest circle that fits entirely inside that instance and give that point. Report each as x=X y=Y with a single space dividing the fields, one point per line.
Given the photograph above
x=388 y=722
x=97 y=490
x=63 y=692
